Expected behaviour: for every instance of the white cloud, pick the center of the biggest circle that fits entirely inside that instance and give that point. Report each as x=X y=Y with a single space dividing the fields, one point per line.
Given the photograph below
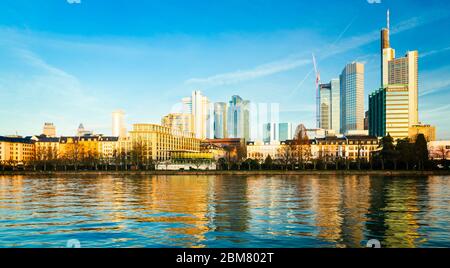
x=243 y=75
x=434 y=81
x=338 y=47
x=74 y=1
x=434 y=52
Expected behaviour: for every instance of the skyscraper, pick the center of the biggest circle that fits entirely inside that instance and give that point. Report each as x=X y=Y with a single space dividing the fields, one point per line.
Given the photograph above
x=335 y=105
x=393 y=109
x=404 y=71
x=199 y=106
x=49 y=130
x=325 y=106
x=238 y=123
x=387 y=53
x=285 y=131
x=389 y=112
x=220 y=120
x=352 y=97
x=118 y=124
x=329 y=101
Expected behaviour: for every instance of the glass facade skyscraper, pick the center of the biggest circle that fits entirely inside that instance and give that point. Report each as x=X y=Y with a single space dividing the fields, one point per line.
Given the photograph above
x=238 y=123
x=352 y=97
x=220 y=120
x=330 y=105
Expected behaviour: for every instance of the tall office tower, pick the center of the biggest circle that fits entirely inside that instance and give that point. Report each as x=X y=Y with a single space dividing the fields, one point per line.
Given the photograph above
x=220 y=120
x=405 y=71
x=186 y=105
x=238 y=125
x=199 y=106
x=352 y=97
x=325 y=106
x=178 y=121
x=329 y=99
x=270 y=132
x=335 y=105
x=285 y=131
x=118 y=124
x=389 y=112
x=49 y=130
x=387 y=53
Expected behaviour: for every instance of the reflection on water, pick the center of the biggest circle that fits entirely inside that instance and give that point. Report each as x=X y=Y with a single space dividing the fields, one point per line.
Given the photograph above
x=224 y=211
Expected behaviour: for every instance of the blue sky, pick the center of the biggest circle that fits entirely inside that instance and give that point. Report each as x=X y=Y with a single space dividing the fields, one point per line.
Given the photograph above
x=72 y=63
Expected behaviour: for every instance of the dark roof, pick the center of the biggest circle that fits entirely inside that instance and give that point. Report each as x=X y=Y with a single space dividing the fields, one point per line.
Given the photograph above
x=43 y=138
x=105 y=138
x=361 y=137
x=16 y=139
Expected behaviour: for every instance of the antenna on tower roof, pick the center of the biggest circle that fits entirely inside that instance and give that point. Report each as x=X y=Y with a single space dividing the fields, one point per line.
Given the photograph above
x=388 y=20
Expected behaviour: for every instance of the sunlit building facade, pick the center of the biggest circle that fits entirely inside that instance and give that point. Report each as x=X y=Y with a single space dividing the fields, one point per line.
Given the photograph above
x=118 y=124
x=178 y=121
x=157 y=142
x=389 y=112
x=428 y=131
x=238 y=125
x=220 y=120
x=330 y=103
x=49 y=130
x=352 y=97
x=16 y=150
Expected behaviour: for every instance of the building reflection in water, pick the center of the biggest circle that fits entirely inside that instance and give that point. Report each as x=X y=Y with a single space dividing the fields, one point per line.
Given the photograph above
x=226 y=211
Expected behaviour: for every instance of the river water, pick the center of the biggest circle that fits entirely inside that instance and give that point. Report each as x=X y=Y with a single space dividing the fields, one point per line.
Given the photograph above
x=224 y=211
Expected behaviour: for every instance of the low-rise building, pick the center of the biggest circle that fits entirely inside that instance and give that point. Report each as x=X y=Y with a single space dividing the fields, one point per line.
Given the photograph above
x=46 y=148
x=261 y=150
x=428 y=131
x=439 y=150
x=157 y=142
x=16 y=150
x=108 y=147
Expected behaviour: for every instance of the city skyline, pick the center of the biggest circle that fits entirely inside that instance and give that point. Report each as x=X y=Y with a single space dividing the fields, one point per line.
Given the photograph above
x=48 y=86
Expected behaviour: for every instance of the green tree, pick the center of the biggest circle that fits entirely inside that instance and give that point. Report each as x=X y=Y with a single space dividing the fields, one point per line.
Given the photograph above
x=387 y=153
x=268 y=163
x=421 y=150
x=405 y=151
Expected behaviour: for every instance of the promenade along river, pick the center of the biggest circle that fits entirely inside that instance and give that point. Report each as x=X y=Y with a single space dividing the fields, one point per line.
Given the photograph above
x=224 y=211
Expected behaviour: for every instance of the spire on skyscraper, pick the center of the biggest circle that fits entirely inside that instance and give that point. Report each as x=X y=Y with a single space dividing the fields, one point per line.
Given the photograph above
x=388 y=20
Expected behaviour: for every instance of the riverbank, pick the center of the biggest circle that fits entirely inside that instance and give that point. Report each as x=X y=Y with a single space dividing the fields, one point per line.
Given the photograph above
x=409 y=173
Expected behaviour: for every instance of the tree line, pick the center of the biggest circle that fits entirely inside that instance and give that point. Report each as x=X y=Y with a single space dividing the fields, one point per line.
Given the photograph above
x=295 y=155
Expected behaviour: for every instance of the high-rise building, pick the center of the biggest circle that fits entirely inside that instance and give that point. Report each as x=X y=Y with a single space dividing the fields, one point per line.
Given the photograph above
x=202 y=114
x=352 y=97
x=49 y=130
x=394 y=108
x=220 y=120
x=325 y=106
x=118 y=124
x=329 y=101
x=404 y=71
x=238 y=125
x=270 y=132
x=285 y=132
x=178 y=121
x=389 y=112
x=81 y=131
